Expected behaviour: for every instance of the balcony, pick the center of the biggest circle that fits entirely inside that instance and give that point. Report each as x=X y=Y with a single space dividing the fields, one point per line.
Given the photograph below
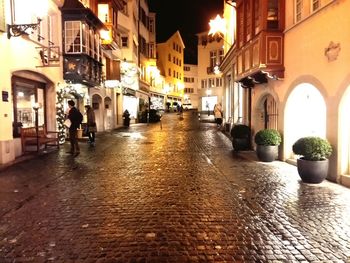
x=259 y=59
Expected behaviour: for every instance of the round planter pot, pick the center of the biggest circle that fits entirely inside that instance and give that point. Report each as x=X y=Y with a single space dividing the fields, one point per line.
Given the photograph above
x=312 y=172
x=240 y=144
x=267 y=153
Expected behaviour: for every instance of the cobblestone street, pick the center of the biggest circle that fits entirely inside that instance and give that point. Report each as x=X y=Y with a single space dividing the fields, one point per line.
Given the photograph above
x=175 y=192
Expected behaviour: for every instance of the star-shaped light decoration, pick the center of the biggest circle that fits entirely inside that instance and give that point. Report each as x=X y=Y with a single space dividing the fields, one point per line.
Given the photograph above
x=217 y=25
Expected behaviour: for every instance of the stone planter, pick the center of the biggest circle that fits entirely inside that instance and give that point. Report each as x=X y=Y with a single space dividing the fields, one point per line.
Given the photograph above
x=267 y=153
x=241 y=144
x=312 y=172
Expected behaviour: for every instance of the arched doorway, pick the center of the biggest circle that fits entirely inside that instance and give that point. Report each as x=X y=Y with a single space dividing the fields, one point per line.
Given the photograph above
x=305 y=115
x=108 y=113
x=268 y=113
x=99 y=110
x=344 y=133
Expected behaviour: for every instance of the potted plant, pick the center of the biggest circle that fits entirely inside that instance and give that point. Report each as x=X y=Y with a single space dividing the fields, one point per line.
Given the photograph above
x=267 y=141
x=241 y=135
x=313 y=163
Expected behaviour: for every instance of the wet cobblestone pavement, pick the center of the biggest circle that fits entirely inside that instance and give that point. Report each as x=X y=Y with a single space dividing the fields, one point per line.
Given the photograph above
x=176 y=194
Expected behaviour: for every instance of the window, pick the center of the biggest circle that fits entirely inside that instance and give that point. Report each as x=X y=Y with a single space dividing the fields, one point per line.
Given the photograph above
x=211 y=83
x=298 y=10
x=248 y=21
x=216 y=57
x=151 y=25
x=26 y=93
x=204 y=83
x=151 y=50
x=315 y=5
x=186 y=68
x=125 y=41
x=73 y=31
x=169 y=72
x=256 y=17
x=125 y=10
x=221 y=55
x=272 y=14
x=212 y=58
x=169 y=57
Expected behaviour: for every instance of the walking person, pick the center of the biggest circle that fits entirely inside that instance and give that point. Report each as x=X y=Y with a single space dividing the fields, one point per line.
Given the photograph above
x=75 y=118
x=91 y=124
x=218 y=114
x=126 y=117
x=181 y=110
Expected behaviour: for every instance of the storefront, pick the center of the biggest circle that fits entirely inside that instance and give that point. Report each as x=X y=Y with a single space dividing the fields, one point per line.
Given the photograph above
x=26 y=94
x=157 y=101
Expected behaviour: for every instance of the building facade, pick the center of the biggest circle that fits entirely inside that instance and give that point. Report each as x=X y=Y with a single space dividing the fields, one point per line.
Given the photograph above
x=302 y=86
x=210 y=84
x=170 y=62
x=32 y=71
x=53 y=52
x=191 y=100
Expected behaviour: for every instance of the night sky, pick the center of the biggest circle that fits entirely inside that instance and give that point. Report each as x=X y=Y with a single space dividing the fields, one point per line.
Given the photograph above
x=188 y=16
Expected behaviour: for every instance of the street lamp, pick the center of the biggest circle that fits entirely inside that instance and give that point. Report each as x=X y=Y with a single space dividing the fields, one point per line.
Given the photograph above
x=36 y=107
x=24 y=11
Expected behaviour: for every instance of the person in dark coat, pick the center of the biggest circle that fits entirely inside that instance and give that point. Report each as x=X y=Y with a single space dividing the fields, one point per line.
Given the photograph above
x=76 y=118
x=126 y=117
x=91 y=124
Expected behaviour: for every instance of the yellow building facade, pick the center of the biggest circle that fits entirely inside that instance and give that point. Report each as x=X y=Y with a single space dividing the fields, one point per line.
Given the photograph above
x=170 y=62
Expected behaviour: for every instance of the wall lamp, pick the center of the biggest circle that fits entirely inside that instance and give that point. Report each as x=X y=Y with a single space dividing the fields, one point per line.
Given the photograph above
x=20 y=29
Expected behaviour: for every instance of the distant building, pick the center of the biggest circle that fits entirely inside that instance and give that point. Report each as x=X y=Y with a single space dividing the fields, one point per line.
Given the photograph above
x=210 y=85
x=170 y=61
x=191 y=86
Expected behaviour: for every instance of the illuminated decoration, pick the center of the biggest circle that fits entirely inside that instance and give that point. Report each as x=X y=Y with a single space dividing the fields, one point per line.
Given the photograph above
x=106 y=36
x=217 y=70
x=24 y=11
x=129 y=73
x=75 y=90
x=112 y=84
x=217 y=26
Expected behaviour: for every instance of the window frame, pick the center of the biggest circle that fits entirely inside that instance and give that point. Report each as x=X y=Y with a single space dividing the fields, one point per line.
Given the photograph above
x=298 y=8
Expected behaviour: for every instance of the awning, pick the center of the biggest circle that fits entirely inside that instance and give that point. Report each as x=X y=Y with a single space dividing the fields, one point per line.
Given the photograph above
x=260 y=77
x=142 y=95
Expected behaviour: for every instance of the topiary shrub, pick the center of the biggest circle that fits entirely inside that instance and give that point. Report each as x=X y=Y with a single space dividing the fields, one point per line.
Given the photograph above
x=312 y=148
x=268 y=137
x=240 y=131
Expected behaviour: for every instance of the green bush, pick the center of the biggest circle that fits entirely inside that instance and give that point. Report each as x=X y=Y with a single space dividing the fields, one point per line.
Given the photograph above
x=312 y=148
x=268 y=137
x=240 y=131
